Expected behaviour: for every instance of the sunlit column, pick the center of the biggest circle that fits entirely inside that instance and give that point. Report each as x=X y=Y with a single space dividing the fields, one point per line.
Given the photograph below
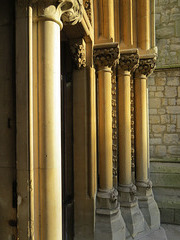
x=129 y=206
x=107 y=205
x=128 y=61
x=143 y=13
x=146 y=200
x=49 y=26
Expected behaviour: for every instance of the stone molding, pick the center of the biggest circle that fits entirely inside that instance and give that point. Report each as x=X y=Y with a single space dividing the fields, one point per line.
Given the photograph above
x=129 y=60
x=107 y=199
x=62 y=11
x=105 y=55
x=78 y=50
x=127 y=195
x=147 y=65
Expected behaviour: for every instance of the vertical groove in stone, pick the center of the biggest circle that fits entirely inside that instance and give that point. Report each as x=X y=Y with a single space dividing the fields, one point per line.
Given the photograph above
x=132 y=131
x=114 y=129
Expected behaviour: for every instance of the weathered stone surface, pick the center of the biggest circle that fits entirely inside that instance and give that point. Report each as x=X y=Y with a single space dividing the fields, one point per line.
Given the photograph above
x=178 y=121
x=173 y=81
x=173 y=109
x=158 y=128
x=160 y=88
x=174 y=150
x=161 y=111
x=171 y=138
x=172 y=101
x=155 y=141
x=177 y=216
x=173 y=118
x=170 y=91
x=178 y=91
x=164 y=101
x=165 y=32
x=155 y=103
x=160 y=81
x=151 y=81
x=160 y=150
x=159 y=94
x=153 y=111
x=154 y=119
x=171 y=128
x=165 y=119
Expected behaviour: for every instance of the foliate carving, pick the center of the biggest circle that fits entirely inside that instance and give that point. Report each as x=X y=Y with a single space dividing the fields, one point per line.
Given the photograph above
x=78 y=50
x=143 y=184
x=114 y=128
x=106 y=55
x=67 y=11
x=132 y=129
x=146 y=65
x=71 y=11
x=129 y=61
x=87 y=7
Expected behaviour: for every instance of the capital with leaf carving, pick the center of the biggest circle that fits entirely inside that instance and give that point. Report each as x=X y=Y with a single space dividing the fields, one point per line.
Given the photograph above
x=106 y=55
x=78 y=49
x=129 y=60
x=147 y=65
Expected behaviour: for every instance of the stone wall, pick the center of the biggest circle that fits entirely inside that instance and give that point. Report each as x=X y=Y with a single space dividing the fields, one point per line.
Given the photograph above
x=168 y=32
x=164 y=112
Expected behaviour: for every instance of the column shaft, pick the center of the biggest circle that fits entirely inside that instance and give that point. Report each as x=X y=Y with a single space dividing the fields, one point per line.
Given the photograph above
x=143 y=8
x=141 y=128
x=105 y=129
x=124 y=127
x=49 y=129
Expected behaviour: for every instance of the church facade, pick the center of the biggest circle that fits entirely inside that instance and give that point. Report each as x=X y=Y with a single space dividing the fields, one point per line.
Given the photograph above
x=74 y=117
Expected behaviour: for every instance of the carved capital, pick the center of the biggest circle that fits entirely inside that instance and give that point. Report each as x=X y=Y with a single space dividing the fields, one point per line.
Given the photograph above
x=71 y=11
x=78 y=50
x=129 y=60
x=62 y=11
x=106 y=55
x=146 y=65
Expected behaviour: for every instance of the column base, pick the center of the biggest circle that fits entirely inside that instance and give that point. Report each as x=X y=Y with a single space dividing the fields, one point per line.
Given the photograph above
x=158 y=234
x=148 y=205
x=109 y=222
x=130 y=211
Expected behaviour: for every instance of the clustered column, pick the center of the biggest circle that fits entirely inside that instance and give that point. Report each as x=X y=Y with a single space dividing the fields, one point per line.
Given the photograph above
x=107 y=212
x=129 y=206
x=146 y=200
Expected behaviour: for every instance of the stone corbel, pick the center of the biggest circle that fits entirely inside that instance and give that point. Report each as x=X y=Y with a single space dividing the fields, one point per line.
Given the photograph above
x=106 y=54
x=147 y=65
x=78 y=49
x=129 y=60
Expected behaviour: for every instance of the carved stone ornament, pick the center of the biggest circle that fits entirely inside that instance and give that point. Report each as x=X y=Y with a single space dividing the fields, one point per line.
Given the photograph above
x=87 y=7
x=129 y=60
x=106 y=54
x=79 y=54
x=67 y=11
x=146 y=65
x=147 y=184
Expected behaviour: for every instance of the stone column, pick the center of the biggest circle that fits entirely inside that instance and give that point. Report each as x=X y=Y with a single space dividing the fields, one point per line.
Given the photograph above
x=129 y=206
x=109 y=223
x=49 y=26
x=147 y=203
